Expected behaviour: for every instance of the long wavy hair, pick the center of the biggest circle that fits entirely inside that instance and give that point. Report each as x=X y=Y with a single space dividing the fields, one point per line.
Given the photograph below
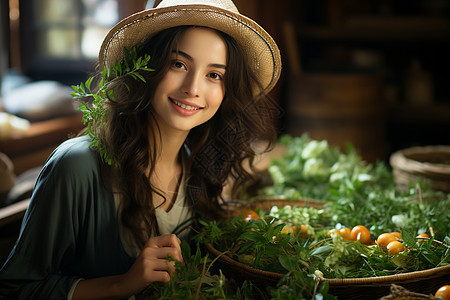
x=220 y=149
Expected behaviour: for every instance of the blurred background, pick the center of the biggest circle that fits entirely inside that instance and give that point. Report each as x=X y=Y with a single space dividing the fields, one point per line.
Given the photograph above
x=370 y=73
x=373 y=74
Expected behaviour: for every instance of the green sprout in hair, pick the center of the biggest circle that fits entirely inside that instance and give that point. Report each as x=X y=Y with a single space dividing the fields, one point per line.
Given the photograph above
x=95 y=114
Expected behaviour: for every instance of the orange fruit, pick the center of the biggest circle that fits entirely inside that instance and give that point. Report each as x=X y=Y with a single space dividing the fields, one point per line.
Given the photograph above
x=443 y=292
x=384 y=239
x=397 y=234
x=334 y=230
x=345 y=232
x=250 y=215
x=423 y=235
x=362 y=234
x=288 y=229
x=395 y=247
x=303 y=230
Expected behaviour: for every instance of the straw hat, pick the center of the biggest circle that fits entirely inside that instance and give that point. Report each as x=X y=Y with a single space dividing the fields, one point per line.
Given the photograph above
x=261 y=49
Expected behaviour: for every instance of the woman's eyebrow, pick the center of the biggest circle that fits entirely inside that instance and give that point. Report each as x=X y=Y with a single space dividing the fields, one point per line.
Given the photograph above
x=187 y=56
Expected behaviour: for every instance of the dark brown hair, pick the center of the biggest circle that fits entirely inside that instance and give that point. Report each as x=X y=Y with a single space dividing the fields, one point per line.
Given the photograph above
x=218 y=149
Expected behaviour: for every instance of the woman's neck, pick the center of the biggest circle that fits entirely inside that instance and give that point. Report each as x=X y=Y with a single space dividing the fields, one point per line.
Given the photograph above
x=169 y=149
x=167 y=170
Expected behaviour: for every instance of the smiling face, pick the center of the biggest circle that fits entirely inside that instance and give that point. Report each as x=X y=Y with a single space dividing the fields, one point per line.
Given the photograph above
x=192 y=90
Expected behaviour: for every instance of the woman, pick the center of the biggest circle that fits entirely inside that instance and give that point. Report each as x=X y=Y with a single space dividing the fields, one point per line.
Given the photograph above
x=95 y=230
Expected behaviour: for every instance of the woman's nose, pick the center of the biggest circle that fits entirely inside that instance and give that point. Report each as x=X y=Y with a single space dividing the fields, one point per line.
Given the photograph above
x=191 y=85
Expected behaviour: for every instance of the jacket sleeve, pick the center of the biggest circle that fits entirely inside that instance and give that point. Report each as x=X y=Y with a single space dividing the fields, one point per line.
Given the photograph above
x=46 y=246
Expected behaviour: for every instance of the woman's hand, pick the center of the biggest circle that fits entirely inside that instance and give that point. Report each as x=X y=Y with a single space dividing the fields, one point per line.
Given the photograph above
x=150 y=266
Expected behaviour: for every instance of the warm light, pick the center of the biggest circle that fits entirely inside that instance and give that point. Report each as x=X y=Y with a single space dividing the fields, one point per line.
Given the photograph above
x=14 y=10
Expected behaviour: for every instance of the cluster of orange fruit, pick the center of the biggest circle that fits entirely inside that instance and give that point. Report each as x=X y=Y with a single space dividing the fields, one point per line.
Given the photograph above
x=389 y=242
x=357 y=233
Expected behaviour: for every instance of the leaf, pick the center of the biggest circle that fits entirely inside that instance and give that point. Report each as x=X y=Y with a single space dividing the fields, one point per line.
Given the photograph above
x=198 y=256
x=321 y=251
x=252 y=236
x=245 y=247
x=88 y=83
x=288 y=262
x=185 y=250
x=111 y=94
x=323 y=288
x=139 y=76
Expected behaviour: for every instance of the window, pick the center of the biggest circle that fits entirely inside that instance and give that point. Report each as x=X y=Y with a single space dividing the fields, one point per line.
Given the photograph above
x=72 y=29
x=60 y=40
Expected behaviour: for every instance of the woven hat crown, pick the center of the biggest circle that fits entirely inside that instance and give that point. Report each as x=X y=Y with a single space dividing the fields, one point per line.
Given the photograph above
x=259 y=47
x=224 y=4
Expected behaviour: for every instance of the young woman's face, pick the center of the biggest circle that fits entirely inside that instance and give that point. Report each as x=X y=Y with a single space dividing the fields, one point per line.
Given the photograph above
x=193 y=89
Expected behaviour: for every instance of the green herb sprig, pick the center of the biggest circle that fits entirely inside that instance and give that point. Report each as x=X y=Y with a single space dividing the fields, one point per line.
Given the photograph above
x=94 y=113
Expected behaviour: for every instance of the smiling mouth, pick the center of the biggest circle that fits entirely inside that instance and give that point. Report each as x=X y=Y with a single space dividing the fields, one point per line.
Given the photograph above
x=184 y=106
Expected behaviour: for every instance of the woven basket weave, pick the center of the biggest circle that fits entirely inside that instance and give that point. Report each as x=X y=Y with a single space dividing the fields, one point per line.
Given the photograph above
x=429 y=163
x=425 y=282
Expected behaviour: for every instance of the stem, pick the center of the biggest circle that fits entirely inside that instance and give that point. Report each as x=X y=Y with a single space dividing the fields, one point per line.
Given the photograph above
x=316 y=285
x=439 y=242
x=215 y=259
x=318 y=243
x=197 y=293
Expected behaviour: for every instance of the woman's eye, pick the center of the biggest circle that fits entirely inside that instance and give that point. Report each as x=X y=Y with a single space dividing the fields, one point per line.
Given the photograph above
x=178 y=65
x=215 y=76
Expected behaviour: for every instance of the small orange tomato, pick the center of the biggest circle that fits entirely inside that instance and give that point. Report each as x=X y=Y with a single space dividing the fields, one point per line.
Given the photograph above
x=303 y=230
x=334 y=230
x=250 y=215
x=422 y=235
x=397 y=234
x=362 y=234
x=443 y=292
x=288 y=229
x=395 y=247
x=384 y=239
x=345 y=232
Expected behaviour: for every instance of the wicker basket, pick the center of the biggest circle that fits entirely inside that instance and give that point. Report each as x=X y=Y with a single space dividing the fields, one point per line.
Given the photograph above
x=425 y=282
x=430 y=164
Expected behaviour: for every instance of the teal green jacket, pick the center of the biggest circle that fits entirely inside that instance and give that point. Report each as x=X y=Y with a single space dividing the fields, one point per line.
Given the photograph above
x=69 y=231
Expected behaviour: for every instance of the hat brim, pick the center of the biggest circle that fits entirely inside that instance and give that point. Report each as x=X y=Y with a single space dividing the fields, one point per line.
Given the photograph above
x=260 y=48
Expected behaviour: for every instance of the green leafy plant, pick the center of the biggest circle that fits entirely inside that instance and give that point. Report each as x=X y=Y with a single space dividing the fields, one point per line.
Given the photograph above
x=194 y=279
x=94 y=112
x=262 y=244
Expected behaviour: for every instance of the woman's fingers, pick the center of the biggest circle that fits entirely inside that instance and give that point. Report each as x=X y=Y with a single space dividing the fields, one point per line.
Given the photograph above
x=168 y=241
x=162 y=266
x=152 y=264
x=161 y=253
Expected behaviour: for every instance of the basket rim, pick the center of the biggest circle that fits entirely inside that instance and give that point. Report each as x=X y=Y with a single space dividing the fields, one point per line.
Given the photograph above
x=418 y=275
x=400 y=160
x=388 y=279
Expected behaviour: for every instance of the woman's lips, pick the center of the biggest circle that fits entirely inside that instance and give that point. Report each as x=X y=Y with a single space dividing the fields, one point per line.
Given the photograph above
x=185 y=109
